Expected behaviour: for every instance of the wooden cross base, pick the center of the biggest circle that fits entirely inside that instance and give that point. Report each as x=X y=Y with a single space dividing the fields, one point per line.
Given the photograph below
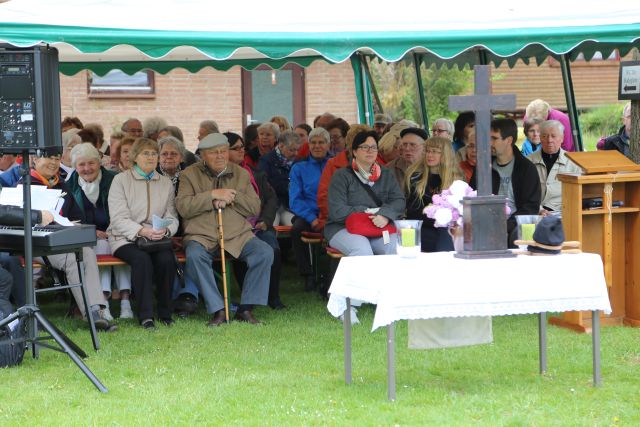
x=485 y=228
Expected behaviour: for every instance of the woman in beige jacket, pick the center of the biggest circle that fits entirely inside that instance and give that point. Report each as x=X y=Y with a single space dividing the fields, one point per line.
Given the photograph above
x=136 y=196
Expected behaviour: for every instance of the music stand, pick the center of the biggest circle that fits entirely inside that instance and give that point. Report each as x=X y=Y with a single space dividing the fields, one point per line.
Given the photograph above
x=30 y=311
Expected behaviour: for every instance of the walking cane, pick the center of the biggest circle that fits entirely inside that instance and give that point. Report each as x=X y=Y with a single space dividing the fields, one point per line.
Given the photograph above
x=224 y=266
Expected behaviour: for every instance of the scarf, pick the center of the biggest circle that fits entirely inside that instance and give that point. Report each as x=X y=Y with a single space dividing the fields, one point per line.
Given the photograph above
x=49 y=183
x=371 y=175
x=142 y=174
x=174 y=178
x=91 y=189
x=282 y=160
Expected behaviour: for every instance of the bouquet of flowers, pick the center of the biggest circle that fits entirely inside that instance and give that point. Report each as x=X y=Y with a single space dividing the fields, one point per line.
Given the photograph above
x=446 y=207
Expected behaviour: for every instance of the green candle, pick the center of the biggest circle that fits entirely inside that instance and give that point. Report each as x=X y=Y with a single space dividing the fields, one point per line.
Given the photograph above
x=408 y=237
x=527 y=231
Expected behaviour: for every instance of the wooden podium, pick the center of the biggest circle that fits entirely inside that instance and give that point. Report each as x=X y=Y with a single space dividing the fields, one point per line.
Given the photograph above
x=609 y=230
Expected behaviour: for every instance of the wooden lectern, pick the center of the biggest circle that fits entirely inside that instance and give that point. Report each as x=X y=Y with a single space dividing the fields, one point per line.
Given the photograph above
x=611 y=230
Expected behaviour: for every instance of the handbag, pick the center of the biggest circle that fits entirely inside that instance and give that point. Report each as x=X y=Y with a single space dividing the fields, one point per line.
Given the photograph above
x=151 y=246
x=360 y=223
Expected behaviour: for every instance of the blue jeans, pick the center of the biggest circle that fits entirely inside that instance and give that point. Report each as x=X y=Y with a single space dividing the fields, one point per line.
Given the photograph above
x=258 y=256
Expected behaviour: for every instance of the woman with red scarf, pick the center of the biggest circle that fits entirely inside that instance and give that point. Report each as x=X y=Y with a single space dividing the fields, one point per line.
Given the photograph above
x=347 y=195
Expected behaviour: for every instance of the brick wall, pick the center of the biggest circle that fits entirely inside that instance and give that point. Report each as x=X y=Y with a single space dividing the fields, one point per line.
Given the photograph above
x=185 y=99
x=331 y=88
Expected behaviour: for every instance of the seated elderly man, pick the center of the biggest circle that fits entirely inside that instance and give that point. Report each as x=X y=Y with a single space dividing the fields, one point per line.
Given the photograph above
x=206 y=187
x=276 y=165
x=549 y=162
x=411 y=150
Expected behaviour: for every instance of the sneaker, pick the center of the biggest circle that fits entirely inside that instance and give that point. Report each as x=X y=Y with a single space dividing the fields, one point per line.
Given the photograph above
x=125 y=311
x=101 y=323
x=354 y=316
x=106 y=314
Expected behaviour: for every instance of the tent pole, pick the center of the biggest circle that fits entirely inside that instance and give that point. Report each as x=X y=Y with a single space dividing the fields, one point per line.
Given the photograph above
x=372 y=86
x=571 y=101
x=364 y=113
x=417 y=62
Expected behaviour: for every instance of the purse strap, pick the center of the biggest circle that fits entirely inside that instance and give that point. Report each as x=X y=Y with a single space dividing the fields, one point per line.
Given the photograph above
x=368 y=189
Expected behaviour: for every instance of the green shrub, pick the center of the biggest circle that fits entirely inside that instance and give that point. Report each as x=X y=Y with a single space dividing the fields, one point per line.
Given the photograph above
x=602 y=121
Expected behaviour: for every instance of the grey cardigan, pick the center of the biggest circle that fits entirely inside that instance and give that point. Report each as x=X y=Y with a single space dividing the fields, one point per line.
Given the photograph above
x=346 y=196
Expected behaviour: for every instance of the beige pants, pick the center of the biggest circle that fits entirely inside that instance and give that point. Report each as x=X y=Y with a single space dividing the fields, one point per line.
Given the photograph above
x=90 y=276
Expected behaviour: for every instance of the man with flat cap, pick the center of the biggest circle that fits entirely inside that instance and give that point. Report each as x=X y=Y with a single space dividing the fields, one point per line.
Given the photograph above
x=206 y=186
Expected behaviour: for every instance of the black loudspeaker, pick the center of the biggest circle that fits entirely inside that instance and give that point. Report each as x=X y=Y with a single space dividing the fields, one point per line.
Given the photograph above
x=29 y=99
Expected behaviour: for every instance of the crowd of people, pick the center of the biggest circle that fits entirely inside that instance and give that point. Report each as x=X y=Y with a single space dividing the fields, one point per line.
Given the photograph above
x=142 y=188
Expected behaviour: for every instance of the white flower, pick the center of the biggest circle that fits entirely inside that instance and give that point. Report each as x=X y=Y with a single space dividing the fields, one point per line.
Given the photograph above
x=442 y=217
x=454 y=201
x=459 y=188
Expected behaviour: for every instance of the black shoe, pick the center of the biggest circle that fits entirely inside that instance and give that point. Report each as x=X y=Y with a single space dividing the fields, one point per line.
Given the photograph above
x=309 y=284
x=148 y=324
x=167 y=322
x=185 y=305
x=277 y=304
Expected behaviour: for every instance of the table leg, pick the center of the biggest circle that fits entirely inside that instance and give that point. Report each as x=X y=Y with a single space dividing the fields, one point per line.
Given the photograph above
x=542 y=341
x=391 y=362
x=346 y=322
x=595 y=336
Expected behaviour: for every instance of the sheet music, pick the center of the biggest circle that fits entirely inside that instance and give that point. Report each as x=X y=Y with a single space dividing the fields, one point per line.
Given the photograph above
x=42 y=199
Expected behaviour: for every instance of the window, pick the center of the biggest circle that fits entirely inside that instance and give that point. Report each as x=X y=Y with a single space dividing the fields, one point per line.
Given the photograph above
x=117 y=84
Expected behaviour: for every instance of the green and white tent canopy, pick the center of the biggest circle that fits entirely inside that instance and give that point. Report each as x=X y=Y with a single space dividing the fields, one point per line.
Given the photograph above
x=163 y=34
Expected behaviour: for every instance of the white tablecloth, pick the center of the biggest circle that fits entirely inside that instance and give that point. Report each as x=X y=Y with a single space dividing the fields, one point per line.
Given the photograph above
x=438 y=285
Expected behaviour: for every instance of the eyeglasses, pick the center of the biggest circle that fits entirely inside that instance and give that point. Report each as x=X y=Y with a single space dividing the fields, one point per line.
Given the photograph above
x=433 y=151
x=336 y=137
x=149 y=153
x=368 y=148
x=239 y=147
x=437 y=131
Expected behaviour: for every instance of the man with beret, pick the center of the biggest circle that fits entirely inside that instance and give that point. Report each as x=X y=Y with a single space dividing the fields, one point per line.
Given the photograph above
x=411 y=149
x=206 y=186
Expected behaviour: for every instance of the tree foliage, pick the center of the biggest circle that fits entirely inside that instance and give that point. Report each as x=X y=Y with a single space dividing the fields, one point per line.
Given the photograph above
x=397 y=88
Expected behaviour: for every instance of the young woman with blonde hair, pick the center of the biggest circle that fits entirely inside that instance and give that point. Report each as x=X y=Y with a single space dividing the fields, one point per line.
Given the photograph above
x=435 y=171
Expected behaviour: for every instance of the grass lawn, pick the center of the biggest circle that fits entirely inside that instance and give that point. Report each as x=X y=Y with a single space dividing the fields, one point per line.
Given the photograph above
x=290 y=372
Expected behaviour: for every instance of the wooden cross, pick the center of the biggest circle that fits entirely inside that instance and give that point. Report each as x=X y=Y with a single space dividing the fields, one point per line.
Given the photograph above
x=482 y=103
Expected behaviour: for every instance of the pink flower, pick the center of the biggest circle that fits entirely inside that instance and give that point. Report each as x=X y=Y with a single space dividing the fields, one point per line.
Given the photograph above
x=446 y=208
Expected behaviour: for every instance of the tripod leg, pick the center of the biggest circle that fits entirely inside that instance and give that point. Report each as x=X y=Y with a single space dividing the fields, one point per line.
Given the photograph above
x=70 y=343
x=52 y=330
x=87 y=307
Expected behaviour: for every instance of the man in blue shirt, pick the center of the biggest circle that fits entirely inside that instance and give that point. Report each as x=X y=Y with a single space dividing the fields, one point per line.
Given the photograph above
x=303 y=199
